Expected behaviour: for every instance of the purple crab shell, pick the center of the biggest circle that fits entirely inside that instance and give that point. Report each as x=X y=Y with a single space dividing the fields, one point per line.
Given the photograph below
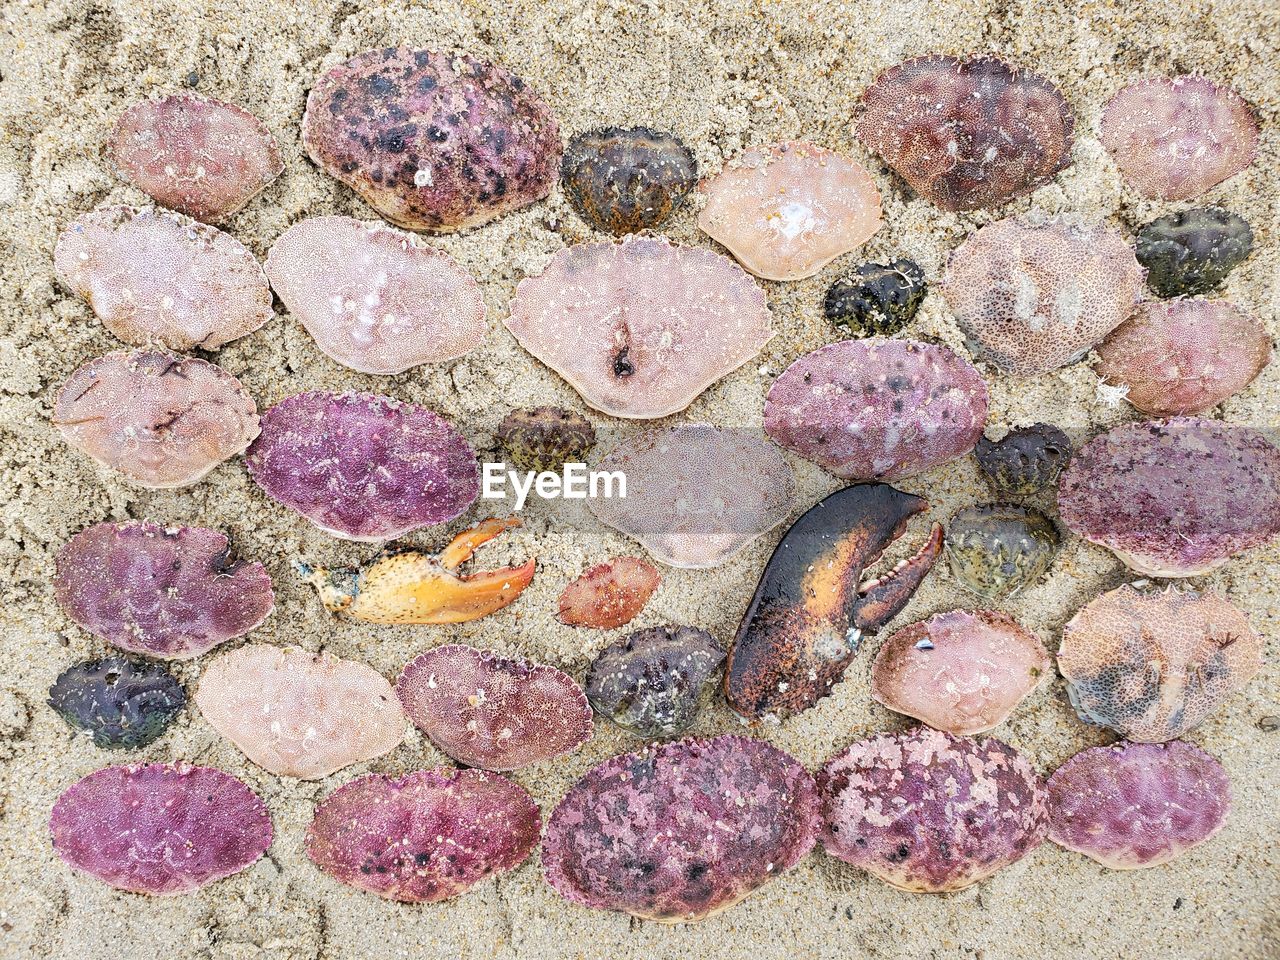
x=1133 y=805
x=878 y=410
x=361 y=466
x=681 y=830
x=424 y=837
x=160 y=828
x=172 y=593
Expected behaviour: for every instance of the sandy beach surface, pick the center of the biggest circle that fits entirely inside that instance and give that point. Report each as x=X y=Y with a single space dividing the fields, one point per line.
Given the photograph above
x=723 y=76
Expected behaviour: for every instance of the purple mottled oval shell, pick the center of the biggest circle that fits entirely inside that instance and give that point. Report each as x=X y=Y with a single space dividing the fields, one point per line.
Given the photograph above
x=361 y=466
x=681 y=830
x=160 y=828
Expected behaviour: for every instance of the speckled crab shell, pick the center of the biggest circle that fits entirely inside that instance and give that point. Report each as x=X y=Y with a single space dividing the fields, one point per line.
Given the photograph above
x=610 y=594
x=623 y=180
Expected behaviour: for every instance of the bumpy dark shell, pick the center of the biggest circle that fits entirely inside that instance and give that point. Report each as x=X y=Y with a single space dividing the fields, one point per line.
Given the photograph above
x=123 y=704
x=546 y=438
x=997 y=550
x=1192 y=251
x=623 y=180
x=1025 y=461
x=877 y=298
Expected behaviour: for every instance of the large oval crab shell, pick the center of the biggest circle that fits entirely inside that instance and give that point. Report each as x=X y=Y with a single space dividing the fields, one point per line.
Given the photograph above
x=878 y=409
x=696 y=495
x=424 y=837
x=788 y=209
x=970 y=133
x=1174 y=498
x=927 y=812
x=641 y=327
x=490 y=712
x=196 y=155
x=680 y=831
x=1035 y=297
x=431 y=140
x=165 y=592
x=1134 y=805
x=160 y=828
x=363 y=467
x=160 y=420
x=1175 y=138
x=157 y=276
x=1154 y=665
x=376 y=299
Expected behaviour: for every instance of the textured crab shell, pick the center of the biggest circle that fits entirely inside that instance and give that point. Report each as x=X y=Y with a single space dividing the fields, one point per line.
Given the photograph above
x=1134 y=805
x=299 y=714
x=490 y=712
x=1024 y=461
x=623 y=180
x=546 y=438
x=1175 y=138
x=171 y=592
x=1153 y=665
x=194 y=154
x=161 y=421
x=640 y=327
x=160 y=828
x=424 y=837
x=969 y=133
x=682 y=830
x=927 y=812
x=376 y=299
x=363 y=467
x=122 y=704
x=1192 y=251
x=1174 y=498
x=998 y=549
x=959 y=671
x=876 y=298
x=696 y=495
x=786 y=210
x=608 y=595
x=431 y=140
x=878 y=410
x=1184 y=356
x=154 y=276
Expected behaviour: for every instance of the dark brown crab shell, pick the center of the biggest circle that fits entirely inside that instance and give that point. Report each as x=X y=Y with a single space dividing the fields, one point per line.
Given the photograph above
x=627 y=179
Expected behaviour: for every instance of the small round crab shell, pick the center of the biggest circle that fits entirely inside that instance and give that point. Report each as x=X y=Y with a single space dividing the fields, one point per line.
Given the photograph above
x=376 y=299
x=960 y=672
x=1174 y=498
x=1134 y=805
x=608 y=595
x=641 y=327
x=696 y=495
x=157 y=276
x=927 y=812
x=363 y=467
x=122 y=704
x=490 y=712
x=680 y=831
x=196 y=155
x=626 y=180
x=788 y=209
x=1152 y=665
x=1184 y=356
x=1175 y=138
x=425 y=837
x=299 y=714
x=160 y=828
x=160 y=420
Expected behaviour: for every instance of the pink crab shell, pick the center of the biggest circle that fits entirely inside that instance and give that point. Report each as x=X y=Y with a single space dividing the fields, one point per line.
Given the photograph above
x=927 y=812
x=300 y=714
x=491 y=712
x=1184 y=356
x=160 y=828
x=160 y=420
x=363 y=467
x=1174 y=498
x=788 y=209
x=680 y=831
x=878 y=409
x=171 y=592
x=1175 y=138
x=376 y=299
x=640 y=327
x=958 y=671
x=1135 y=805
x=610 y=594
x=194 y=154
x=154 y=276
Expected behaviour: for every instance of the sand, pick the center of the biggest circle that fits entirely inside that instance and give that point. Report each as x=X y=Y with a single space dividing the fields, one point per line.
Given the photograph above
x=723 y=76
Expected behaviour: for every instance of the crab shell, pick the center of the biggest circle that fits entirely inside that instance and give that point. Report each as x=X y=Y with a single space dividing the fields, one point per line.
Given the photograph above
x=610 y=594
x=627 y=180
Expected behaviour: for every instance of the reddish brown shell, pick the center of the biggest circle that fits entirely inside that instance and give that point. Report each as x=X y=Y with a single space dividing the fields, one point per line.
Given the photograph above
x=610 y=594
